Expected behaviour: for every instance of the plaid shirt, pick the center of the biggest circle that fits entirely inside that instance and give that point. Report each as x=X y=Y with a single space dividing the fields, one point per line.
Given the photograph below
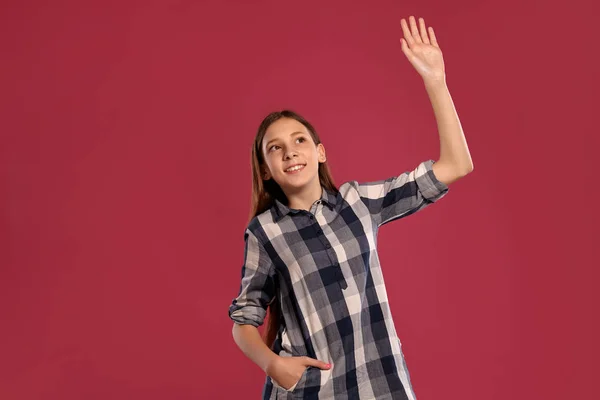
x=323 y=267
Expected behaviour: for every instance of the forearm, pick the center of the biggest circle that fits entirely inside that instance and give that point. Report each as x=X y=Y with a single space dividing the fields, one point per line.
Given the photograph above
x=454 y=152
x=249 y=341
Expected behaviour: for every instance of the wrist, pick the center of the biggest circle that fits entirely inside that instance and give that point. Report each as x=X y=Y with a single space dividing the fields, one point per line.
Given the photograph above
x=270 y=363
x=435 y=83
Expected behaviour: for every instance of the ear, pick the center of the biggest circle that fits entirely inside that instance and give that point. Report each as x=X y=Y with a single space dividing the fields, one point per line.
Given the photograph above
x=266 y=175
x=321 y=151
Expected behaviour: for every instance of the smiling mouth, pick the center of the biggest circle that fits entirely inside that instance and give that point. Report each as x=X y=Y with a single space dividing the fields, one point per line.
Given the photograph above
x=295 y=168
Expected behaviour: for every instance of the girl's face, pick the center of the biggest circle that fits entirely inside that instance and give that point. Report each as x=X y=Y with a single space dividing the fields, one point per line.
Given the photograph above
x=291 y=156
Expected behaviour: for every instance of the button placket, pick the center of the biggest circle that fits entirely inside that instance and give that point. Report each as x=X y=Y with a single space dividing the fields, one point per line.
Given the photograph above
x=330 y=253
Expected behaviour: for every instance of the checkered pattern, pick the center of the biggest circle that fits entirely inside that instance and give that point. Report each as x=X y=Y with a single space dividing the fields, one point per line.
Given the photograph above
x=323 y=266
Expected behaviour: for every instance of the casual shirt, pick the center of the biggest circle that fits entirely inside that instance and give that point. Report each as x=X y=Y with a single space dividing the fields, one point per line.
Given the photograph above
x=323 y=267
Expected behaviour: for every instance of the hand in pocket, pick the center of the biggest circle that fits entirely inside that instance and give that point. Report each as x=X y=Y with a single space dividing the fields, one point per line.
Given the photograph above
x=287 y=371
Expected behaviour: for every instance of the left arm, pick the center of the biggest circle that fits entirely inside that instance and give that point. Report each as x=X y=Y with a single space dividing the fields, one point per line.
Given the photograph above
x=455 y=159
x=423 y=52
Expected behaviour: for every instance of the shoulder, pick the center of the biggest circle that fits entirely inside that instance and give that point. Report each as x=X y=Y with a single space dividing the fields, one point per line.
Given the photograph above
x=261 y=225
x=348 y=194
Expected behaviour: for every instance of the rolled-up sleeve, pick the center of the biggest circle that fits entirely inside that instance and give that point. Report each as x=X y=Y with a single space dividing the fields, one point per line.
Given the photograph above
x=257 y=288
x=402 y=195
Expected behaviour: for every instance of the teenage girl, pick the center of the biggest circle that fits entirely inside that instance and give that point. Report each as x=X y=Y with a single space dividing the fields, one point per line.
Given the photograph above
x=311 y=257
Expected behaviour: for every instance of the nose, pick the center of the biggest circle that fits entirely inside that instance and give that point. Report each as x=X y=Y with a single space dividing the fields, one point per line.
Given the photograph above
x=291 y=153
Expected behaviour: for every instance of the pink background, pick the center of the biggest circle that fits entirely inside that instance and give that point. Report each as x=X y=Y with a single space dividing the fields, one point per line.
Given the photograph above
x=124 y=169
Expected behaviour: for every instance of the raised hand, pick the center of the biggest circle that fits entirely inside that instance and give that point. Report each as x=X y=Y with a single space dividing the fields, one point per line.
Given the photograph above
x=422 y=50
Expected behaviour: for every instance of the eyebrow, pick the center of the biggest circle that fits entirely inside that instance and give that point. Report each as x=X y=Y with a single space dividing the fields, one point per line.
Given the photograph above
x=291 y=134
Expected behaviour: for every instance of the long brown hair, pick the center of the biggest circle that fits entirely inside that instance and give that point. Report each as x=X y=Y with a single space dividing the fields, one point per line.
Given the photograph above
x=264 y=194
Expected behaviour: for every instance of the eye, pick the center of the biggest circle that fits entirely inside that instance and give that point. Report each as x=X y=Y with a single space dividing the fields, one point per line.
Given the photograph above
x=302 y=139
x=272 y=147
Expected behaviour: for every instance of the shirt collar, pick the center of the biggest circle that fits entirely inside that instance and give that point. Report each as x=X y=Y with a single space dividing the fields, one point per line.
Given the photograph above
x=280 y=210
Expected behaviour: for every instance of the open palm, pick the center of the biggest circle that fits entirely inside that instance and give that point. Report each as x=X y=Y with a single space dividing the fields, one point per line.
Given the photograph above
x=422 y=50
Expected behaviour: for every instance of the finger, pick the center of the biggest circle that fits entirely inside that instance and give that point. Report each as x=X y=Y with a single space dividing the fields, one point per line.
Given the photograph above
x=406 y=32
x=407 y=52
x=316 y=363
x=414 y=30
x=423 y=31
x=432 y=36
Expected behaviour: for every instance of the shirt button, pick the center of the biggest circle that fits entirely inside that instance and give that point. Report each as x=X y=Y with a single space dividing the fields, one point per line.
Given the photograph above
x=319 y=231
x=327 y=246
x=312 y=217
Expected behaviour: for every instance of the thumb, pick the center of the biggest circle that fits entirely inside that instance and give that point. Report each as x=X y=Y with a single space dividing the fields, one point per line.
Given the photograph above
x=316 y=363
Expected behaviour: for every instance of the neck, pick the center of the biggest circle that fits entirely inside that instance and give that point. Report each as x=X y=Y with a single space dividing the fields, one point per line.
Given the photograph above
x=304 y=198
